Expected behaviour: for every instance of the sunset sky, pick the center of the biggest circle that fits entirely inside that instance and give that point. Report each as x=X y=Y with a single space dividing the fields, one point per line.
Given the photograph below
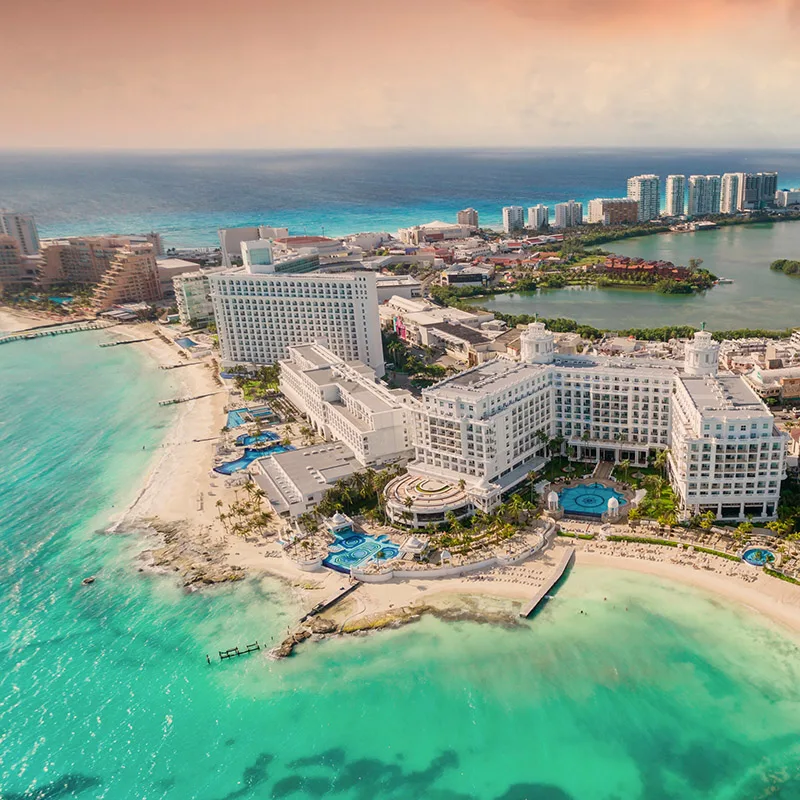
x=385 y=73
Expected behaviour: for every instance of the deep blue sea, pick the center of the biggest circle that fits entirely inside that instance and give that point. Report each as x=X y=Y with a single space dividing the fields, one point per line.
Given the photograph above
x=188 y=196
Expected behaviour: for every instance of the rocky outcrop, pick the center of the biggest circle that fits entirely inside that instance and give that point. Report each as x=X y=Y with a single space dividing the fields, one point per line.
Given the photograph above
x=196 y=558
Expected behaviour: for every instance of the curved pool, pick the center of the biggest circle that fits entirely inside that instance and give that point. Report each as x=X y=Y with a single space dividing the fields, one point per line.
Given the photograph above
x=589 y=500
x=758 y=556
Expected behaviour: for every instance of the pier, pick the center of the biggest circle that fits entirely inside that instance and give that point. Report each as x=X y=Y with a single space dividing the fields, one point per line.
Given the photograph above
x=331 y=601
x=39 y=333
x=127 y=341
x=176 y=366
x=186 y=399
x=235 y=652
x=566 y=559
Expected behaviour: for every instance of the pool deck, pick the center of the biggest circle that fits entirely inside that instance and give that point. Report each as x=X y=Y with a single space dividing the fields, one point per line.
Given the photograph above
x=566 y=559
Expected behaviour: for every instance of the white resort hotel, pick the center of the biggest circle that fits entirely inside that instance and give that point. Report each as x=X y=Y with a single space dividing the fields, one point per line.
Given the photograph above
x=480 y=433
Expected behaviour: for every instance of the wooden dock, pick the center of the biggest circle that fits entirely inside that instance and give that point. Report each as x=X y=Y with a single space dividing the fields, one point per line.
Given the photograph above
x=127 y=341
x=561 y=568
x=39 y=333
x=331 y=601
x=235 y=652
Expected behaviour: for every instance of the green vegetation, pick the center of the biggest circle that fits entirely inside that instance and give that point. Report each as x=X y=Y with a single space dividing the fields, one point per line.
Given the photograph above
x=642 y=540
x=255 y=385
x=397 y=352
x=786 y=266
x=359 y=494
x=711 y=552
x=773 y=573
x=245 y=516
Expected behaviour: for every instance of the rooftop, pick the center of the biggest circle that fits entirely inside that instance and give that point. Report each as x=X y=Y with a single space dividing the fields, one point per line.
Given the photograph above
x=722 y=393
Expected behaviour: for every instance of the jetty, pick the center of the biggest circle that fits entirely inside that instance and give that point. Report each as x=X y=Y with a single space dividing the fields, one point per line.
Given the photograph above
x=176 y=400
x=566 y=559
x=127 y=341
x=235 y=652
x=40 y=333
x=332 y=600
x=176 y=366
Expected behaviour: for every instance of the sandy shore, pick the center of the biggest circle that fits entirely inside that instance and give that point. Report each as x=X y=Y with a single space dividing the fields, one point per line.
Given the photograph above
x=178 y=487
x=776 y=599
x=12 y=320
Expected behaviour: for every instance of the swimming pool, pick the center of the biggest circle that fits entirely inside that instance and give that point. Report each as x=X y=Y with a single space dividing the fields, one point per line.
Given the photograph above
x=589 y=500
x=352 y=549
x=250 y=455
x=758 y=556
x=185 y=342
x=245 y=441
x=236 y=418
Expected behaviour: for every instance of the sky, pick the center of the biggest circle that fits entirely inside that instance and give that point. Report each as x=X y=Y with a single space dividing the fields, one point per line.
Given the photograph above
x=211 y=74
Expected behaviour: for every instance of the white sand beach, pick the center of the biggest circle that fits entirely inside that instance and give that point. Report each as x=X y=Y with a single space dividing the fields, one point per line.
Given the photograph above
x=12 y=320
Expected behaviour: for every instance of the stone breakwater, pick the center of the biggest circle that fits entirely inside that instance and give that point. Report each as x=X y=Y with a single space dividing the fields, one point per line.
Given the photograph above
x=195 y=557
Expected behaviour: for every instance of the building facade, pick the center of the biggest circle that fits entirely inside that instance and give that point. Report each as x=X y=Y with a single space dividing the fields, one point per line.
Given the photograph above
x=513 y=218
x=260 y=315
x=468 y=216
x=784 y=198
x=614 y=210
x=646 y=190
x=132 y=277
x=22 y=228
x=568 y=215
x=17 y=271
x=193 y=298
x=486 y=429
x=345 y=402
x=538 y=217
x=729 y=193
x=756 y=190
x=704 y=194
x=675 y=195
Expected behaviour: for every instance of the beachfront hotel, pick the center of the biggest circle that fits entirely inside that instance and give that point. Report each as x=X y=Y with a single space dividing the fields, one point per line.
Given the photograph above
x=344 y=403
x=22 y=228
x=131 y=277
x=479 y=434
x=674 y=195
x=260 y=313
x=704 y=194
x=614 y=210
x=646 y=190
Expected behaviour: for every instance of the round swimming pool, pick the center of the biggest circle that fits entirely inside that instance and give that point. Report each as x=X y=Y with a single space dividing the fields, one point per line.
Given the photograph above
x=590 y=499
x=758 y=556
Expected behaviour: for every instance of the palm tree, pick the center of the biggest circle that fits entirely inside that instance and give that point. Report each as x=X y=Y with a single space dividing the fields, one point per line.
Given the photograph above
x=661 y=459
x=625 y=465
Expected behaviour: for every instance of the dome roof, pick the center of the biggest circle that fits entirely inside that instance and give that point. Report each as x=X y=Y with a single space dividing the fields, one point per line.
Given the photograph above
x=613 y=503
x=339 y=519
x=552 y=498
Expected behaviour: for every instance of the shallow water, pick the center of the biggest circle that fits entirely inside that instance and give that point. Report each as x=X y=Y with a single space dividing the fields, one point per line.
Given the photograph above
x=106 y=693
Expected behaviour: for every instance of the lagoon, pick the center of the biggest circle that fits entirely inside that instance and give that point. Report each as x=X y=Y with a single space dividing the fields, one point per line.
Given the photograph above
x=758 y=298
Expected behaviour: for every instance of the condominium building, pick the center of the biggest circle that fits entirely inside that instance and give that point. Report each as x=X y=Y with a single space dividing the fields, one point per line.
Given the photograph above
x=487 y=428
x=787 y=197
x=17 y=271
x=344 y=401
x=259 y=315
x=646 y=190
x=756 y=190
x=22 y=228
x=193 y=298
x=729 y=193
x=568 y=215
x=675 y=195
x=468 y=216
x=132 y=277
x=513 y=218
x=704 y=194
x=614 y=210
x=538 y=217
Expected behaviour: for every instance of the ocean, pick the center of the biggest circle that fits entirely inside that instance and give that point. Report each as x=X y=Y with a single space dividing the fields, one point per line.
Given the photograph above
x=188 y=196
x=657 y=692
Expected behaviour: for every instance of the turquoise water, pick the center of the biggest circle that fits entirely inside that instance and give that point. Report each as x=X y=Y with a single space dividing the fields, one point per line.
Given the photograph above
x=758 y=556
x=105 y=691
x=588 y=499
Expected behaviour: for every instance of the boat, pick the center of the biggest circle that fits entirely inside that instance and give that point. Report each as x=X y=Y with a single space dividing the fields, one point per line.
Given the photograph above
x=724 y=280
x=88 y=581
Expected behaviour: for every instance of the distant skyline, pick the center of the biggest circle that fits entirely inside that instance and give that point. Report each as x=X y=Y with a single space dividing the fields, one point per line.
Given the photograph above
x=248 y=74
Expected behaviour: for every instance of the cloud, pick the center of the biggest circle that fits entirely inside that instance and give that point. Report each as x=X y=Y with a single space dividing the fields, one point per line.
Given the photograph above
x=647 y=16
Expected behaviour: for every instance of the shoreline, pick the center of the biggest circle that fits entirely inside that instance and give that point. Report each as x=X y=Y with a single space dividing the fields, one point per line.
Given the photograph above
x=176 y=503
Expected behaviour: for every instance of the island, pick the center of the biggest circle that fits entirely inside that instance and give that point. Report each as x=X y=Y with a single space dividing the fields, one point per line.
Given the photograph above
x=786 y=266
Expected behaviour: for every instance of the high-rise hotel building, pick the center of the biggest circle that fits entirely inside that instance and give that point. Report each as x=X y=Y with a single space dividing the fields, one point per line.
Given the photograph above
x=645 y=189
x=538 y=217
x=569 y=214
x=260 y=313
x=513 y=218
x=487 y=428
x=675 y=194
x=467 y=216
x=22 y=228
